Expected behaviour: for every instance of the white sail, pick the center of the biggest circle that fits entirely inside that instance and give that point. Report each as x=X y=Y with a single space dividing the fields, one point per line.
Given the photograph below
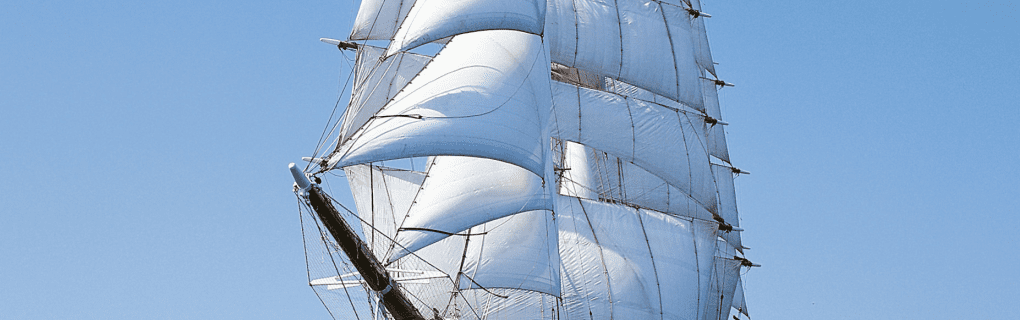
x=379 y=19
x=462 y=192
x=738 y=299
x=616 y=260
x=596 y=175
x=728 y=204
x=597 y=276
x=517 y=304
x=431 y=20
x=485 y=95
x=716 y=134
x=703 y=53
x=577 y=164
x=494 y=255
x=382 y=200
x=502 y=256
x=724 y=282
x=682 y=251
x=580 y=177
x=639 y=42
x=376 y=82
x=660 y=140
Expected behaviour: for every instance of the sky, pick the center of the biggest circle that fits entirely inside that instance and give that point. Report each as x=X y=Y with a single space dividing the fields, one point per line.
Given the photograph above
x=144 y=147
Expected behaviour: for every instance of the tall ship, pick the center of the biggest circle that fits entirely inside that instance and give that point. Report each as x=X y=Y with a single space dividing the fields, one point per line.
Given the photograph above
x=525 y=159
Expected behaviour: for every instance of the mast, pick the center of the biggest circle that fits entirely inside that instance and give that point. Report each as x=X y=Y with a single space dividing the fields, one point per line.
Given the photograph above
x=371 y=270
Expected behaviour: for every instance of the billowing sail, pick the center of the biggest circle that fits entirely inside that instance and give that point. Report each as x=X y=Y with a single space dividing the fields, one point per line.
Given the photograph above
x=411 y=23
x=431 y=20
x=462 y=192
x=376 y=82
x=379 y=19
x=499 y=255
x=485 y=95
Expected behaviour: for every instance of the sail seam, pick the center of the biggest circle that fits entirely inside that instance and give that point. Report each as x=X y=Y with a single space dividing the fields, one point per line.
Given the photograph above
x=619 y=26
x=602 y=258
x=672 y=49
x=651 y=256
x=577 y=33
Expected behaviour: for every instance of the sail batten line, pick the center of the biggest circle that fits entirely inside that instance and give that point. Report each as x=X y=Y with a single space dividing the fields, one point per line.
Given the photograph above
x=633 y=134
x=463 y=258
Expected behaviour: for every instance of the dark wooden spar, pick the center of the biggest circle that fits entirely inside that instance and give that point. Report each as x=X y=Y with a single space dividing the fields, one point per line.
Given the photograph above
x=372 y=271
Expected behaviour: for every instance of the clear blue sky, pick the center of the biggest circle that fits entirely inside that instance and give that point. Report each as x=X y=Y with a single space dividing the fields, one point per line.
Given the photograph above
x=143 y=153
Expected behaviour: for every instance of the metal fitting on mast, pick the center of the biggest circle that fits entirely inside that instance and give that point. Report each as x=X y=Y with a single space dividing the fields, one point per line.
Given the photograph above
x=696 y=13
x=342 y=45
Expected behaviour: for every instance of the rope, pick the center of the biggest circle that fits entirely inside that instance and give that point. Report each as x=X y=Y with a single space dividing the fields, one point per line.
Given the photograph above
x=322 y=137
x=322 y=235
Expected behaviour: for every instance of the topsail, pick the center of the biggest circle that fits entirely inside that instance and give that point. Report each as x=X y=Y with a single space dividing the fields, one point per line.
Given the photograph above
x=559 y=159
